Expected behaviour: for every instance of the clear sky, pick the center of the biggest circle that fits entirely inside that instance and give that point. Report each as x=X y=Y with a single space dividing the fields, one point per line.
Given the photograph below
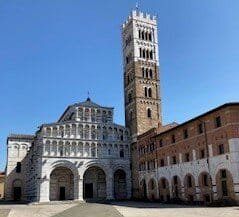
x=53 y=52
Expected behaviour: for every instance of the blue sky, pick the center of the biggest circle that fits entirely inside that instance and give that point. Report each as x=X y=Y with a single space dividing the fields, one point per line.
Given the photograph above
x=53 y=52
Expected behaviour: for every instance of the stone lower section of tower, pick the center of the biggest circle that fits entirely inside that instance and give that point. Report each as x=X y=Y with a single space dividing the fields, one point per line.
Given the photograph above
x=139 y=122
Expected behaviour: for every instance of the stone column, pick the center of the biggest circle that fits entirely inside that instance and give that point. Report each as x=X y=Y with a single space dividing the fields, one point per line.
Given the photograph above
x=96 y=150
x=50 y=148
x=214 y=189
x=170 y=188
x=57 y=149
x=128 y=184
x=109 y=186
x=194 y=154
x=183 y=190
x=83 y=151
x=90 y=149
x=78 y=188
x=210 y=151
x=168 y=161
x=197 y=189
x=44 y=190
x=180 y=158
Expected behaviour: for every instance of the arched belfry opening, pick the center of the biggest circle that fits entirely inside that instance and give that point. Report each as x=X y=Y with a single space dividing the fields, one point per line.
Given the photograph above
x=94 y=184
x=61 y=184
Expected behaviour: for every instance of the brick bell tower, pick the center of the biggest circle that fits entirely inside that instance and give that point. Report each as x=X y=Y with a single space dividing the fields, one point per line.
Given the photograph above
x=141 y=73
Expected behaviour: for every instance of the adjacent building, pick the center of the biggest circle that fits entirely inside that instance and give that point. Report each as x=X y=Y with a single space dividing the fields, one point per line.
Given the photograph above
x=2 y=180
x=194 y=161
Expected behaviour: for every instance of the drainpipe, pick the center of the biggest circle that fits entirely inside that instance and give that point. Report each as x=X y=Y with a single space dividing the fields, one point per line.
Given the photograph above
x=208 y=158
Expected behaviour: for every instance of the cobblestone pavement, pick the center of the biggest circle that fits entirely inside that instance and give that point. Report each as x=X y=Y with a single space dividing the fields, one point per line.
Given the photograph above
x=115 y=209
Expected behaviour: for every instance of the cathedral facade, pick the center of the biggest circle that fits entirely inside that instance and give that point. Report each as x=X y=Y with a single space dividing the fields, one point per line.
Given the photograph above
x=84 y=155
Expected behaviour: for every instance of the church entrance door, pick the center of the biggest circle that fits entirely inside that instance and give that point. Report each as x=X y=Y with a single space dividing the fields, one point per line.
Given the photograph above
x=17 y=193
x=89 y=190
x=94 y=184
x=62 y=193
x=61 y=184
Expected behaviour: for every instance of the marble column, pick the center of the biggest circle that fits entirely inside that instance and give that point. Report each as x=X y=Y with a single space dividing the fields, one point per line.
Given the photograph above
x=44 y=190
x=109 y=187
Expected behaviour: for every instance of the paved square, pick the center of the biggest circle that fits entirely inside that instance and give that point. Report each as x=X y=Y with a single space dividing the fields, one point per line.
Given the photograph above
x=115 y=209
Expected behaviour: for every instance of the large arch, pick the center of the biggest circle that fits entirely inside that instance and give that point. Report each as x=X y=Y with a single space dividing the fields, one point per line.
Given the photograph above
x=224 y=183
x=152 y=189
x=164 y=193
x=94 y=184
x=120 y=185
x=176 y=187
x=61 y=184
x=205 y=185
x=189 y=188
x=143 y=189
x=17 y=189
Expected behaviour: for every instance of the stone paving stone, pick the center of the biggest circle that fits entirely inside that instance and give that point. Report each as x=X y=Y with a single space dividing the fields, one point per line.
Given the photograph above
x=4 y=212
x=91 y=210
x=141 y=209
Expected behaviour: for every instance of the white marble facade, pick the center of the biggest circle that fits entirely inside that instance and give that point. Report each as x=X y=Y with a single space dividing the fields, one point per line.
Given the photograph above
x=84 y=155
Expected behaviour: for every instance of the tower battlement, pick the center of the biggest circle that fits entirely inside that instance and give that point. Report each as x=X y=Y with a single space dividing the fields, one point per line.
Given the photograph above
x=141 y=16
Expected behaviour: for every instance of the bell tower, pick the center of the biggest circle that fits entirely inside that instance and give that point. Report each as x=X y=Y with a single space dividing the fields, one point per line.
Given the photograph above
x=141 y=73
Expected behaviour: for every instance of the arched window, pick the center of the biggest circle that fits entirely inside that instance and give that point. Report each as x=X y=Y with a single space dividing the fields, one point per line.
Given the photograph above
x=147 y=54
x=150 y=73
x=143 y=72
x=143 y=53
x=93 y=151
x=54 y=132
x=143 y=35
x=139 y=34
x=140 y=52
x=61 y=131
x=105 y=134
x=147 y=74
x=93 y=113
x=48 y=131
x=150 y=37
x=145 y=92
x=149 y=92
x=68 y=130
x=61 y=149
x=121 y=153
x=73 y=130
x=93 y=132
x=87 y=132
x=80 y=113
x=146 y=36
x=149 y=113
x=151 y=55
x=87 y=114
